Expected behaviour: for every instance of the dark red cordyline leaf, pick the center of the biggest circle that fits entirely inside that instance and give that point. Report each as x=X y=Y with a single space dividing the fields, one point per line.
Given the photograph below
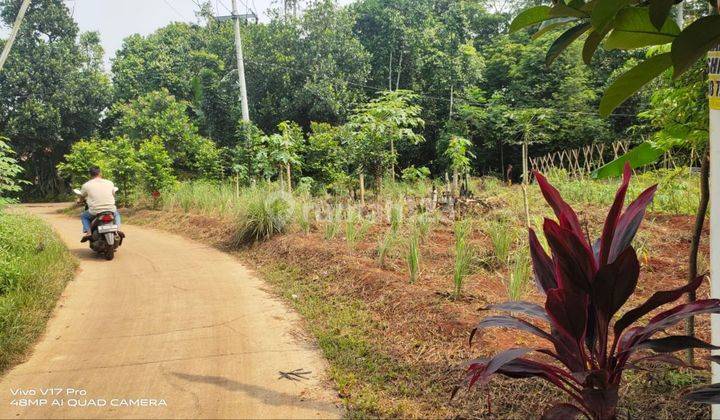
x=613 y=217
x=526 y=368
x=506 y=321
x=542 y=265
x=526 y=308
x=675 y=343
x=601 y=402
x=562 y=411
x=568 y=312
x=574 y=261
x=669 y=318
x=615 y=283
x=655 y=301
x=715 y=359
x=629 y=223
x=563 y=211
x=672 y=316
x=708 y=394
x=480 y=373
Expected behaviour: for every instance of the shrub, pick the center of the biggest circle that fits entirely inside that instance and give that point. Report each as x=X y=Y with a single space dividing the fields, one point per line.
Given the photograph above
x=9 y=170
x=412 y=174
x=584 y=290
x=157 y=166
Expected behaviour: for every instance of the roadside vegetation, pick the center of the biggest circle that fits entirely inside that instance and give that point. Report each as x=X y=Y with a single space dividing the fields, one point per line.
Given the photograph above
x=34 y=268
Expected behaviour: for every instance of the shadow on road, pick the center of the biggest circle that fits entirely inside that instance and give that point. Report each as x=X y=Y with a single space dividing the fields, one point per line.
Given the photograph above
x=265 y=395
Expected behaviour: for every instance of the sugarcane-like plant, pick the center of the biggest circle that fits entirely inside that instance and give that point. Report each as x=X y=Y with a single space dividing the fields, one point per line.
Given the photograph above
x=585 y=286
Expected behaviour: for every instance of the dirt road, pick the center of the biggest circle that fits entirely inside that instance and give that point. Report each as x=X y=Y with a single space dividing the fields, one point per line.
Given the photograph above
x=170 y=322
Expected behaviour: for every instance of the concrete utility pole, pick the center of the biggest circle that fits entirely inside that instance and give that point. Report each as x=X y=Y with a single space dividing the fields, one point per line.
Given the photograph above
x=240 y=64
x=14 y=32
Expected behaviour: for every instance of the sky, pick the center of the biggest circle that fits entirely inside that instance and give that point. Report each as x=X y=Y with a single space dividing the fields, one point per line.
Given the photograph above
x=117 y=19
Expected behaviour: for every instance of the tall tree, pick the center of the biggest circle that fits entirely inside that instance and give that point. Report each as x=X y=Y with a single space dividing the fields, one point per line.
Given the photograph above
x=53 y=90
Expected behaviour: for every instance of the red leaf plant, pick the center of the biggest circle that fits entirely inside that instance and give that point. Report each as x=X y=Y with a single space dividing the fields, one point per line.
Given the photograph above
x=585 y=286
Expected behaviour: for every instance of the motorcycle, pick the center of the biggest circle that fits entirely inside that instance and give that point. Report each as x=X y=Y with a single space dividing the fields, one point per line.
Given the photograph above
x=105 y=236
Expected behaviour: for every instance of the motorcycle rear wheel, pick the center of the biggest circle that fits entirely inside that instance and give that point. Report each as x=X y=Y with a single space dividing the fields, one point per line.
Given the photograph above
x=110 y=253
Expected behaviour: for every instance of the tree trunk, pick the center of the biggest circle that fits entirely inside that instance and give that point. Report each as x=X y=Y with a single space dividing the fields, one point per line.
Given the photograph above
x=362 y=189
x=695 y=245
x=392 y=157
x=289 y=179
x=455 y=181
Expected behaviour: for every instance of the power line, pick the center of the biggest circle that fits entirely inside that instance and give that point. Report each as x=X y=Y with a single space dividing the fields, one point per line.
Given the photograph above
x=175 y=10
x=225 y=6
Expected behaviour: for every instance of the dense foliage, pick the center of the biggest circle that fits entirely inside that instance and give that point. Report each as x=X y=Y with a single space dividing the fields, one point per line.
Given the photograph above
x=53 y=89
x=322 y=69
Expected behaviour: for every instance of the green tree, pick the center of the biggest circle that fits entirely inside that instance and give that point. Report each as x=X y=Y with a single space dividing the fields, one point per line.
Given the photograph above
x=382 y=125
x=159 y=114
x=124 y=166
x=53 y=90
x=84 y=154
x=324 y=158
x=157 y=174
x=9 y=171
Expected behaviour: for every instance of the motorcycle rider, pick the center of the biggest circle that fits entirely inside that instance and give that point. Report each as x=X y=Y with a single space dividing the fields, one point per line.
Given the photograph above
x=99 y=195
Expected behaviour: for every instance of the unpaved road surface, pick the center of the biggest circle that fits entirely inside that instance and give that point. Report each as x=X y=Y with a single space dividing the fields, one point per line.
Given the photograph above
x=168 y=320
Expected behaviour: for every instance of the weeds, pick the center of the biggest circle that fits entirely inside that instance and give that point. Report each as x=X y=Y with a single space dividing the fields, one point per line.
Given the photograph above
x=463 y=255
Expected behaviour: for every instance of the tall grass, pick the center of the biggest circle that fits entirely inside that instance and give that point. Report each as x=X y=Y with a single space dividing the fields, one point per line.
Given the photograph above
x=423 y=223
x=502 y=236
x=332 y=226
x=267 y=212
x=519 y=281
x=396 y=217
x=413 y=256
x=34 y=267
x=385 y=246
x=463 y=255
x=356 y=227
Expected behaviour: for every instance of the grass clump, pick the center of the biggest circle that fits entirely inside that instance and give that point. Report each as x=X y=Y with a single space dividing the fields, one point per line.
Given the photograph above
x=332 y=226
x=517 y=284
x=267 y=213
x=34 y=268
x=385 y=246
x=463 y=255
x=413 y=256
x=502 y=237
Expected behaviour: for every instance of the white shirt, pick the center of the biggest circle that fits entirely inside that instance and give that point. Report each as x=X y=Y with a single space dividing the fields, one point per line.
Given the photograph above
x=99 y=195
